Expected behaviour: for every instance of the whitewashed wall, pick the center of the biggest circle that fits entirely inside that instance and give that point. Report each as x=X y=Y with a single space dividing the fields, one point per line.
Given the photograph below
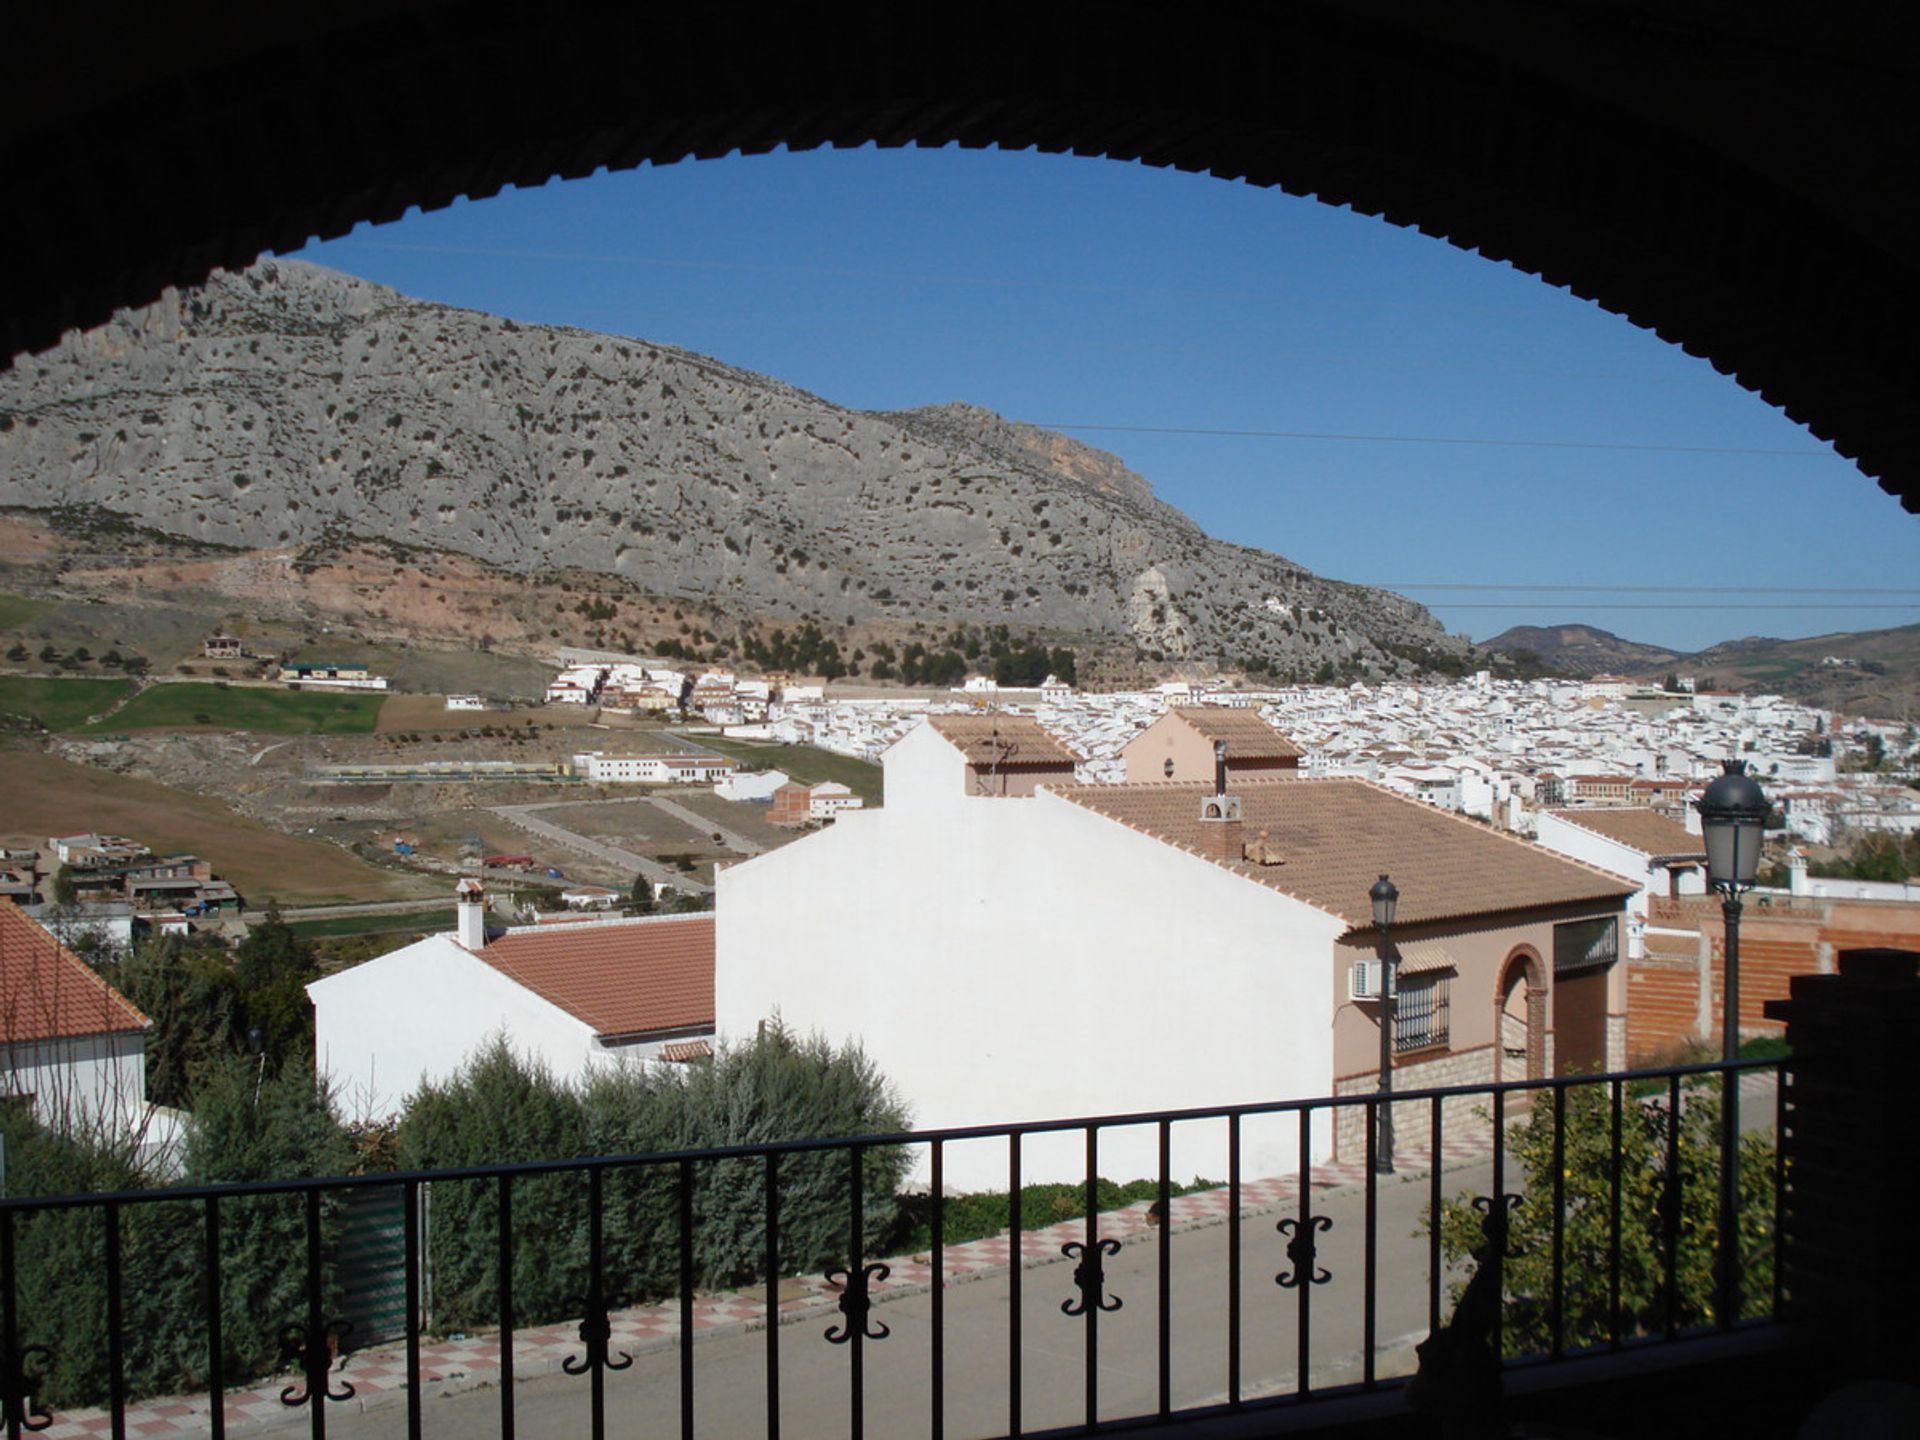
x=97 y=1082
x=1008 y=960
x=420 y=1012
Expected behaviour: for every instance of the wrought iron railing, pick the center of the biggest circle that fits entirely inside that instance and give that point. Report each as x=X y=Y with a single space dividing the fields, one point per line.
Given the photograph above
x=1202 y=1328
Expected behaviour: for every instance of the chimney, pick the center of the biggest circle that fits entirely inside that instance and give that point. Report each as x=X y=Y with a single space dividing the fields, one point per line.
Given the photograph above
x=1220 y=767
x=470 y=906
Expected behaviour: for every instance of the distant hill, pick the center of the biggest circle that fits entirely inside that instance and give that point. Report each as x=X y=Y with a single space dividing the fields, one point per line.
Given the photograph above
x=1579 y=650
x=1865 y=671
x=288 y=411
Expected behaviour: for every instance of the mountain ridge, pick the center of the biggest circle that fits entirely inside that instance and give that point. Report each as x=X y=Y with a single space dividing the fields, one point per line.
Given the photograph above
x=287 y=407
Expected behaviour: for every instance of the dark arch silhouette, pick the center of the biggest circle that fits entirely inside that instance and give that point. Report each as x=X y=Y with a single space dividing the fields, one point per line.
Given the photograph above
x=1735 y=179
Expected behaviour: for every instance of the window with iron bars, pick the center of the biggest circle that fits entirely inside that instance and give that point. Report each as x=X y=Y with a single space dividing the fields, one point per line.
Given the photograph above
x=1420 y=1013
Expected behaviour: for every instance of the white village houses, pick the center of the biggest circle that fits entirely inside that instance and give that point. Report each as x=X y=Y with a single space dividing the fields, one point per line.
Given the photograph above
x=569 y=995
x=1011 y=946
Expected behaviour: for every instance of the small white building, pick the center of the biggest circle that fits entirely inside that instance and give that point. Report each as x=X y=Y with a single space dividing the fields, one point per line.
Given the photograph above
x=466 y=702
x=569 y=995
x=754 y=787
x=72 y=1047
x=681 y=768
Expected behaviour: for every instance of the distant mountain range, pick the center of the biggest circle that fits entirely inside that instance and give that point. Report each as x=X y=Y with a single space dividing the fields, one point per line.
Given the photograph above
x=1870 y=671
x=290 y=412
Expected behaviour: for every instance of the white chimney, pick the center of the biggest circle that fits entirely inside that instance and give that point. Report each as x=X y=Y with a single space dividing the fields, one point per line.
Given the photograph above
x=470 y=905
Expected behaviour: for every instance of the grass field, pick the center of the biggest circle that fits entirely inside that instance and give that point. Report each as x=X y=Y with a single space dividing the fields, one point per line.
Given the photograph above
x=58 y=704
x=271 y=712
x=46 y=796
x=804 y=763
x=17 y=610
x=423 y=922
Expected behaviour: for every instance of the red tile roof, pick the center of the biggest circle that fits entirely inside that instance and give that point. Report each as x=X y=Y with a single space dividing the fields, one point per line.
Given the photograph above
x=1650 y=833
x=635 y=977
x=1248 y=737
x=48 y=993
x=1337 y=836
x=1003 y=740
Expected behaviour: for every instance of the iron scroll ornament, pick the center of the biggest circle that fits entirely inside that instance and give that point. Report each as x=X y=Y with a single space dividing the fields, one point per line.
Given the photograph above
x=314 y=1351
x=23 y=1373
x=856 y=1302
x=1090 y=1276
x=596 y=1334
x=1301 y=1247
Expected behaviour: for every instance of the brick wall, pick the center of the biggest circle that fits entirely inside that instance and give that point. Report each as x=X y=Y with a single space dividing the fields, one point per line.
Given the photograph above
x=1663 y=1004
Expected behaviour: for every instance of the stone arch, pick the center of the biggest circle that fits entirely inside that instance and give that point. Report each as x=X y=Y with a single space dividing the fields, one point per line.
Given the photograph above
x=1520 y=1016
x=1745 y=171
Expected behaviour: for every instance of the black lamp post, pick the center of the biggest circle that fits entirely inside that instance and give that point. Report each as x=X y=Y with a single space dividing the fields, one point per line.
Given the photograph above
x=1385 y=898
x=1733 y=821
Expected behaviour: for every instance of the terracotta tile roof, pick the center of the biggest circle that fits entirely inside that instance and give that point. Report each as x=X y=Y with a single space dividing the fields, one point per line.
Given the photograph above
x=1248 y=737
x=1339 y=835
x=632 y=977
x=681 y=1051
x=1015 y=739
x=48 y=993
x=1647 y=831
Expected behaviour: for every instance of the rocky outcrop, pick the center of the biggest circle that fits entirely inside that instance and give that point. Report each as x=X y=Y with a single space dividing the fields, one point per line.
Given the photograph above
x=288 y=407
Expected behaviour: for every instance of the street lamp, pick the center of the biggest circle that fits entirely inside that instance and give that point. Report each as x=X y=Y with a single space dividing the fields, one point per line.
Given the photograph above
x=1385 y=898
x=1733 y=821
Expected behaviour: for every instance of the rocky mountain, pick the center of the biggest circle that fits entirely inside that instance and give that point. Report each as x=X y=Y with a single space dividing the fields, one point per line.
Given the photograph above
x=288 y=409
x=1577 y=650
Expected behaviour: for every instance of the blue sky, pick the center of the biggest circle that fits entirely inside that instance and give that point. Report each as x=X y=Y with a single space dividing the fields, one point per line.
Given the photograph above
x=1087 y=293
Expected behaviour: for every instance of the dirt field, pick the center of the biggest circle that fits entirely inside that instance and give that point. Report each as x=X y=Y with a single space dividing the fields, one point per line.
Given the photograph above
x=48 y=796
x=747 y=820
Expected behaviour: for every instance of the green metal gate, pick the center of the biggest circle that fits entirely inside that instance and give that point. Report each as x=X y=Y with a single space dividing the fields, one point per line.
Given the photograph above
x=373 y=1265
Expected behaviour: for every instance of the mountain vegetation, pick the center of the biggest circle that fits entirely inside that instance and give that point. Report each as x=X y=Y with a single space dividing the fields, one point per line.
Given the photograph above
x=280 y=418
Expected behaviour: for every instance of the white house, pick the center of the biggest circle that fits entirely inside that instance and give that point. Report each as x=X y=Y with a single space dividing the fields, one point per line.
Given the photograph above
x=71 y=1046
x=751 y=786
x=569 y=995
x=1037 y=953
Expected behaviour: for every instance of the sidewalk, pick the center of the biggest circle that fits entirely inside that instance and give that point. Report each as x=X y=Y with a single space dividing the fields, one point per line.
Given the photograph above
x=379 y=1375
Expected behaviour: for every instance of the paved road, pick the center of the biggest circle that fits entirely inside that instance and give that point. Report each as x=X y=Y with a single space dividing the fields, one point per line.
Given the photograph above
x=525 y=817
x=730 y=1368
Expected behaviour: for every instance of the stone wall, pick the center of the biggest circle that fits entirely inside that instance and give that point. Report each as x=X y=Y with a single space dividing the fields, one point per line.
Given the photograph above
x=1461 y=1115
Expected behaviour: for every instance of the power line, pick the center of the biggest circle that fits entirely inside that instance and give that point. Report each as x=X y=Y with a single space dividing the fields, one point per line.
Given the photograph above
x=1470 y=440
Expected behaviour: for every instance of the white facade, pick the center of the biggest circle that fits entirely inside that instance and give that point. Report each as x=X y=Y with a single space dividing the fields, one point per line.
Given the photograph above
x=417 y=1014
x=753 y=787
x=465 y=702
x=1014 y=959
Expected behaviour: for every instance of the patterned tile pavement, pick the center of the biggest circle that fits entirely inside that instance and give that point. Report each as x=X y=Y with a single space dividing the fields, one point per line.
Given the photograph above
x=456 y=1364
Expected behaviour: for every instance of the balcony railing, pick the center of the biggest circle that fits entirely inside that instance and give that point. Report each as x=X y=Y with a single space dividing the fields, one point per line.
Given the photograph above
x=1599 y=1213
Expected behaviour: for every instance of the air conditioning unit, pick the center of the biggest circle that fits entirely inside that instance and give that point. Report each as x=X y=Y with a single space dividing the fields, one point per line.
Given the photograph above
x=1363 y=980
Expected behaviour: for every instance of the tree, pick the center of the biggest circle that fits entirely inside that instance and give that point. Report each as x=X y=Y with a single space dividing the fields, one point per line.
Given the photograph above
x=63 y=889
x=272 y=967
x=193 y=997
x=641 y=900
x=1648 y=1195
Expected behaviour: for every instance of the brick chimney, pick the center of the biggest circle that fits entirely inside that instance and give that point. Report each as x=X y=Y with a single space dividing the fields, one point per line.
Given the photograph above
x=1220 y=834
x=470 y=908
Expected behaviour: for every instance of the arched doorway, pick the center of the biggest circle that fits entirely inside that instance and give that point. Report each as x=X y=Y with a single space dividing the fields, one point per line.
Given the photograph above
x=1520 y=1017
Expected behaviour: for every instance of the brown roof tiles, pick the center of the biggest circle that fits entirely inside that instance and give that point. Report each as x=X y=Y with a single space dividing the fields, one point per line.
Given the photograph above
x=1248 y=737
x=621 y=978
x=48 y=993
x=1340 y=835
x=1003 y=740
x=1650 y=833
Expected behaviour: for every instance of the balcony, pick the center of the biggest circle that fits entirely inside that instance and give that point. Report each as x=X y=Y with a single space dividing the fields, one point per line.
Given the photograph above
x=1579 y=1253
